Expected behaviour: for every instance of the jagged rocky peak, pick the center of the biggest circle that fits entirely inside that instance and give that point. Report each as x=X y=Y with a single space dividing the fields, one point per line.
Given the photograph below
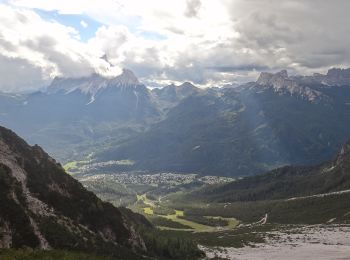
x=339 y=73
x=93 y=83
x=186 y=89
x=267 y=78
x=126 y=78
x=171 y=95
x=283 y=74
x=281 y=83
x=334 y=77
x=187 y=84
x=337 y=77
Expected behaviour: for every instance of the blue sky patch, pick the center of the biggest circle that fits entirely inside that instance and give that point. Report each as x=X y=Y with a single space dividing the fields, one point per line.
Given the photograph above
x=73 y=20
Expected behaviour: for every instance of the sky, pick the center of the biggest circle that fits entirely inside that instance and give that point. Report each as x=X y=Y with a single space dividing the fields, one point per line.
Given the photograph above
x=206 y=42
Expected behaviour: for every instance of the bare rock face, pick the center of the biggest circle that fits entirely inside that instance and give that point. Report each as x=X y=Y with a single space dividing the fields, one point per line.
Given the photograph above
x=281 y=83
x=94 y=84
x=127 y=78
x=43 y=207
x=344 y=154
x=339 y=73
x=171 y=95
x=277 y=80
x=334 y=77
x=337 y=76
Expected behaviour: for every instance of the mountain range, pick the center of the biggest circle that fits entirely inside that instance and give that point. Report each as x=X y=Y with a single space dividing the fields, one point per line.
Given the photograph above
x=277 y=120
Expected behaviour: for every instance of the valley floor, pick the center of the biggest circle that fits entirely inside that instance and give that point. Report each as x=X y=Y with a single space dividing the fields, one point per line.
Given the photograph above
x=319 y=242
x=232 y=230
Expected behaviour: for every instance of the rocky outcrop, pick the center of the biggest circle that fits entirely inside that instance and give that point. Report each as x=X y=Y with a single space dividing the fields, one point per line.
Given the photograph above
x=334 y=77
x=127 y=78
x=281 y=83
x=171 y=95
x=43 y=207
x=344 y=154
x=95 y=83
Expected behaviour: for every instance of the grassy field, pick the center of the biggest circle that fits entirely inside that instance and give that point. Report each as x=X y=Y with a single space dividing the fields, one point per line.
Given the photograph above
x=148 y=210
x=195 y=226
x=237 y=237
x=73 y=167
x=148 y=207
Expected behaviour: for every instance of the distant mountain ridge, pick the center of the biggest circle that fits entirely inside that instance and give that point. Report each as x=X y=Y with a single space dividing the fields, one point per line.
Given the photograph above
x=76 y=112
x=287 y=182
x=281 y=83
x=95 y=83
x=334 y=77
x=277 y=120
x=170 y=96
x=289 y=195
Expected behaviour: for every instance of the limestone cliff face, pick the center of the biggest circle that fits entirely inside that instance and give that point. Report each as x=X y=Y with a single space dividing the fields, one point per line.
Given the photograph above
x=94 y=83
x=43 y=207
x=281 y=83
x=334 y=77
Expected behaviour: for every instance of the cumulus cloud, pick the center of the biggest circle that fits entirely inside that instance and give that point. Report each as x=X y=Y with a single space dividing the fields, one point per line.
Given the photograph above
x=192 y=8
x=203 y=41
x=30 y=44
x=18 y=74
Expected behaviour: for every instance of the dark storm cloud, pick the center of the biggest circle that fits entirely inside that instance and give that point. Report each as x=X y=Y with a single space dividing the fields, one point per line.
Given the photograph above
x=309 y=34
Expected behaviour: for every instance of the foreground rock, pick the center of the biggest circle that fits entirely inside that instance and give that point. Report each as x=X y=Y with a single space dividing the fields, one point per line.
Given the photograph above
x=43 y=207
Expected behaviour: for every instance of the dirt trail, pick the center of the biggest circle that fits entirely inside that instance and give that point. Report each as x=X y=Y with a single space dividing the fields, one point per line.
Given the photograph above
x=320 y=195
